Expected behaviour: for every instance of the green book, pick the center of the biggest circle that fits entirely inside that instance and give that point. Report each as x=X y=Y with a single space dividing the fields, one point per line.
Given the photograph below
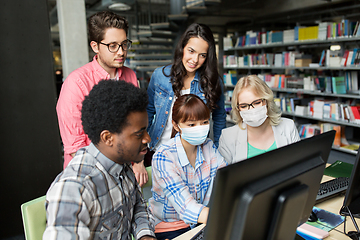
x=338 y=84
x=339 y=169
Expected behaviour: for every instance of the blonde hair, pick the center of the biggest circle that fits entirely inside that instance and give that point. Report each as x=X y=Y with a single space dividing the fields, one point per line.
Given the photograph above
x=260 y=88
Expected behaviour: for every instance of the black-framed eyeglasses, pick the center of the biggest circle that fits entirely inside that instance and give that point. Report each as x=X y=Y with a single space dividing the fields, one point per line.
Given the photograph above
x=246 y=106
x=114 y=47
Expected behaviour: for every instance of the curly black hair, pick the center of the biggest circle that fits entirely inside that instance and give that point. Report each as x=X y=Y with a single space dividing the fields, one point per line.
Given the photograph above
x=108 y=105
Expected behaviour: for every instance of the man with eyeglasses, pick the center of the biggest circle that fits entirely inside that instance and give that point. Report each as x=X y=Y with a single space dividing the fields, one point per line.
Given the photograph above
x=108 y=39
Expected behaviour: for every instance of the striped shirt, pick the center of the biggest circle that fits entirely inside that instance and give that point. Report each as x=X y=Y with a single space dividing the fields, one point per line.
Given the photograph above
x=96 y=198
x=180 y=191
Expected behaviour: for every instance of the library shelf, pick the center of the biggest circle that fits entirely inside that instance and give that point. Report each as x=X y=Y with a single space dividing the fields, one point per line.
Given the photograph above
x=296 y=43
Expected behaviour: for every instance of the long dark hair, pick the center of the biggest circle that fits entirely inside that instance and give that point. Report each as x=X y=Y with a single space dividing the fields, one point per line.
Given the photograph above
x=209 y=75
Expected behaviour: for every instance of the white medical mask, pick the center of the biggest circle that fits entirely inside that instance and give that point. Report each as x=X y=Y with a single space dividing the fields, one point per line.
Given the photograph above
x=195 y=135
x=254 y=117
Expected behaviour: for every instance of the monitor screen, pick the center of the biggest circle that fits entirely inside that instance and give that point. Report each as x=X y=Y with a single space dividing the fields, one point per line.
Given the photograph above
x=352 y=196
x=269 y=195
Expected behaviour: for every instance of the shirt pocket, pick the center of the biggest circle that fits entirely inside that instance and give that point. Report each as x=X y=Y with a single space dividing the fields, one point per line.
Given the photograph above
x=161 y=96
x=111 y=224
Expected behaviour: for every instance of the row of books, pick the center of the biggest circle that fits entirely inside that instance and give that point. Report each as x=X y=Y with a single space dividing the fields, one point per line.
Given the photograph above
x=329 y=109
x=287 y=59
x=322 y=31
x=349 y=83
x=328 y=58
x=309 y=130
x=230 y=78
x=350 y=58
x=323 y=109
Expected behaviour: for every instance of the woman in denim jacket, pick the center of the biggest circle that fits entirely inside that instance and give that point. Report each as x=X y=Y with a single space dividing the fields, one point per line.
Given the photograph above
x=194 y=70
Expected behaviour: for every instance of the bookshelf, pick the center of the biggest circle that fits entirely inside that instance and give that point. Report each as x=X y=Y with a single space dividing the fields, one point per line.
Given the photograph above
x=252 y=57
x=316 y=43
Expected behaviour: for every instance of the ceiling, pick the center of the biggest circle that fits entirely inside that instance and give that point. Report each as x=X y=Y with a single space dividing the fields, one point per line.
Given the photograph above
x=231 y=16
x=243 y=15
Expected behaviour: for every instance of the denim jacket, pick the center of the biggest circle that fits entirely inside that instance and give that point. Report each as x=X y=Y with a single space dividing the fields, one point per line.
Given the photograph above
x=161 y=95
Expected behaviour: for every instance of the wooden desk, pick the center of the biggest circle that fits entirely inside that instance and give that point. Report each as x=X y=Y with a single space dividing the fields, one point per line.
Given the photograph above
x=332 y=205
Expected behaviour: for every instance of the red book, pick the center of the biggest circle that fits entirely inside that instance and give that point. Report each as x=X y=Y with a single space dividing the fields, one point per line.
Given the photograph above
x=283 y=81
x=346 y=54
x=329 y=31
x=356 y=113
x=344 y=58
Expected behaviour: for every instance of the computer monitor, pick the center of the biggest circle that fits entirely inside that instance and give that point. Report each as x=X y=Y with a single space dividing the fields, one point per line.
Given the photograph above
x=352 y=196
x=270 y=195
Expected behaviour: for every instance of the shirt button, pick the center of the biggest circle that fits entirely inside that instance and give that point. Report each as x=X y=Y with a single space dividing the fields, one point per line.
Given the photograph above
x=157 y=138
x=166 y=112
x=162 y=126
x=170 y=98
x=192 y=82
x=160 y=93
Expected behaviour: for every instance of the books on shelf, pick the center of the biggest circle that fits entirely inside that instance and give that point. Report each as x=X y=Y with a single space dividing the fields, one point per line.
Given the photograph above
x=328 y=58
x=349 y=83
x=322 y=31
x=288 y=35
x=227 y=42
x=230 y=78
x=338 y=85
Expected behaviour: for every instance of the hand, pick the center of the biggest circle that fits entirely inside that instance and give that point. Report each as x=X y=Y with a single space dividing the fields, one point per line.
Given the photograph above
x=141 y=174
x=203 y=215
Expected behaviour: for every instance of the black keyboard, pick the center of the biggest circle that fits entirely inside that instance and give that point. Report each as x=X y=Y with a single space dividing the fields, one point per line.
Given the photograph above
x=332 y=188
x=199 y=235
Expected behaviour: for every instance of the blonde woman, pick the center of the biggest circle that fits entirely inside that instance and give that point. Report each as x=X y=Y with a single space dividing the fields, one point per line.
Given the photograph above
x=259 y=126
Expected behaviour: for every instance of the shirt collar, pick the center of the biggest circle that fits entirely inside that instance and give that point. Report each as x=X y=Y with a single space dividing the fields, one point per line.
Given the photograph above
x=197 y=76
x=110 y=166
x=182 y=154
x=181 y=151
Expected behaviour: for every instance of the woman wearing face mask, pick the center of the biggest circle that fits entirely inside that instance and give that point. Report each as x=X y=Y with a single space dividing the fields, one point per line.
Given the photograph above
x=183 y=170
x=259 y=126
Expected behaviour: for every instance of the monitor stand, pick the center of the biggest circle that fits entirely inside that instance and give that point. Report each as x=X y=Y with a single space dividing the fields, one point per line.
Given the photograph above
x=353 y=234
x=354 y=207
x=289 y=207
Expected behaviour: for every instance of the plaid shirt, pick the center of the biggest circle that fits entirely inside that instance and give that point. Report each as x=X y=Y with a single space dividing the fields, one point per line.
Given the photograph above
x=96 y=198
x=180 y=192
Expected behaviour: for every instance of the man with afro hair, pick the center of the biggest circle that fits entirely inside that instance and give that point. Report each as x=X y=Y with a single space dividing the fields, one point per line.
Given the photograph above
x=97 y=196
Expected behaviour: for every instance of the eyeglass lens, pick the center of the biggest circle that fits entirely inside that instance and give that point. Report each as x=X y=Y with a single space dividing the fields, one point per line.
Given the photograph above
x=254 y=104
x=114 y=47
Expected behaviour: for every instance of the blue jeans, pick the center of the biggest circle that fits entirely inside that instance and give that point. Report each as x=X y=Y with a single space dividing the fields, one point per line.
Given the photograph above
x=172 y=234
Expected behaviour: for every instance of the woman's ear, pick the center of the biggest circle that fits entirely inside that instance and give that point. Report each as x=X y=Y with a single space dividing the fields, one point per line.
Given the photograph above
x=106 y=137
x=176 y=127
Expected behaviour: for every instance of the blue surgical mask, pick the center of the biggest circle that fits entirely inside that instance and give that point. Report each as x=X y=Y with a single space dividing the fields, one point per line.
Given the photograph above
x=195 y=135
